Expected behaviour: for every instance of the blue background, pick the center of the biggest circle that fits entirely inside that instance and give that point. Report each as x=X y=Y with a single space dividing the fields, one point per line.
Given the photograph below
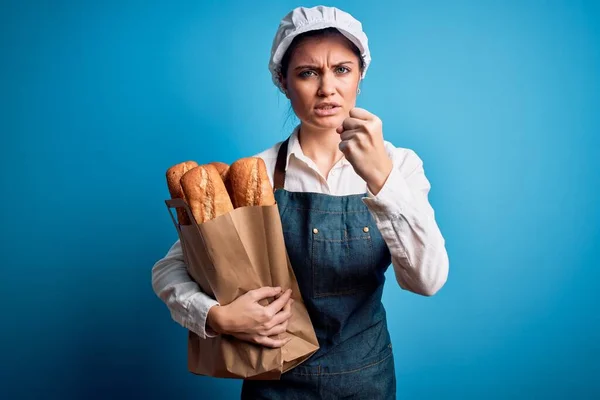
x=500 y=100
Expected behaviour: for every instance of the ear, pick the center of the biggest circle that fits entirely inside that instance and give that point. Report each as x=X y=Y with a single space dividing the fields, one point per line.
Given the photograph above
x=283 y=83
x=285 y=89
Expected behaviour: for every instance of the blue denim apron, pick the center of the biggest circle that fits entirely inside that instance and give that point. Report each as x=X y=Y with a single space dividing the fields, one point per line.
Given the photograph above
x=339 y=258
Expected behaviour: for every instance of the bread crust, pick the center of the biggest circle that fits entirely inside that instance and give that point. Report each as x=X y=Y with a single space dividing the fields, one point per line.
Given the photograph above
x=222 y=168
x=248 y=184
x=174 y=175
x=205 y=193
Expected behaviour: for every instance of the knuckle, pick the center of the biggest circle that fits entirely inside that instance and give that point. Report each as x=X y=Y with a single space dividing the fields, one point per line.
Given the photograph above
x=269 y=326
x=259 y=320
x=264 y=315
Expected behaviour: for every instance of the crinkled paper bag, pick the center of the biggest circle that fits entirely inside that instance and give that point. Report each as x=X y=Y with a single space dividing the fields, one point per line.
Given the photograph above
x=228 y=256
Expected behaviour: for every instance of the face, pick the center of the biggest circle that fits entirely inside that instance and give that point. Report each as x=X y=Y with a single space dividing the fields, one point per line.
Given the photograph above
x=322 y=80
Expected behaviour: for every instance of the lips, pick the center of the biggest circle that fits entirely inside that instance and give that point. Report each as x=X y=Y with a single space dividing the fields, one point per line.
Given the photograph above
x=327 y=109
x=326 y=106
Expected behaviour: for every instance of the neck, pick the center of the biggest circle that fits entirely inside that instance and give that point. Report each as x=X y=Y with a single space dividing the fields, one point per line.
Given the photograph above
x=321 y=146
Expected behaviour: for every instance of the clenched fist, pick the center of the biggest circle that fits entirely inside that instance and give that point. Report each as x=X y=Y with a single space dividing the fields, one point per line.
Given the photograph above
x=362 y=145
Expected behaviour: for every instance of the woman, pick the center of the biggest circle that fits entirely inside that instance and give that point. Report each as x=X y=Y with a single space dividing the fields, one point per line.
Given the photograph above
x=350 y=204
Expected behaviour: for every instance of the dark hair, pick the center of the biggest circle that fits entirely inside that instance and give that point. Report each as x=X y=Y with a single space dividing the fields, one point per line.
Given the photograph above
x=320 y=33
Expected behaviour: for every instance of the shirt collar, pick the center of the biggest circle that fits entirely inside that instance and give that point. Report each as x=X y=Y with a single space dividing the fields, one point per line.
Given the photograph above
x=295 y=149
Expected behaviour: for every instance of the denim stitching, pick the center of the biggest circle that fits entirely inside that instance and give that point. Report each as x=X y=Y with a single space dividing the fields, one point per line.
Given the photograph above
x=346 y=372
x=344 y=292
x=314 y=270
x=367 y=237
x=371 y=253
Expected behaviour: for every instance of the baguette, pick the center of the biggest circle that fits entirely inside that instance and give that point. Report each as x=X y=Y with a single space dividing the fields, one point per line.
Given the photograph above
x=222 y=168
x=205 y=193
x=174 y=175
x=248 y=183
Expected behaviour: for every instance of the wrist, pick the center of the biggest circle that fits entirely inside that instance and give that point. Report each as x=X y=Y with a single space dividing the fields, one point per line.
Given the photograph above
x=376 y=182
x=216 y=319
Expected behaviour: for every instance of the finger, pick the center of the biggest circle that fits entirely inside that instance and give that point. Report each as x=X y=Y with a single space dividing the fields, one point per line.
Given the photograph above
x=361 y=113
x=281 y=293
x=276 y=330
x=248 y=337
x=278 y=304
x=346 y=147
x=353 y=123
x=348 y=135
x=281 y=316
x=264 y=292
x=343 y=146
x=272 y=342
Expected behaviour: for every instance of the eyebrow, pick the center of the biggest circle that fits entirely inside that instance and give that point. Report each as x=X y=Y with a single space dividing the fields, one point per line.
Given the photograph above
x=314 y=66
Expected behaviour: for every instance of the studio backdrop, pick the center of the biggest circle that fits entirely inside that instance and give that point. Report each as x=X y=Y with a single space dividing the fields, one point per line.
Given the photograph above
x=500 y=99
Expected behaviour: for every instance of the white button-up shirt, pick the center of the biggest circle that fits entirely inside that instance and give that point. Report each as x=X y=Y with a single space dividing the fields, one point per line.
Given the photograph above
x=401 y=211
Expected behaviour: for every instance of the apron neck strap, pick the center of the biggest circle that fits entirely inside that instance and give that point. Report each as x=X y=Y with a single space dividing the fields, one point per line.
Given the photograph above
x=279 y=175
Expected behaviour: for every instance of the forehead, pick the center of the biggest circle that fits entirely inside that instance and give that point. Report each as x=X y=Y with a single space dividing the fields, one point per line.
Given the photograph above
x=317 y=49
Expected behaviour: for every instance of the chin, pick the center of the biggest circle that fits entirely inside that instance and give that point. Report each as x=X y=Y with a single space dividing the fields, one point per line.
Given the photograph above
x=327 y=122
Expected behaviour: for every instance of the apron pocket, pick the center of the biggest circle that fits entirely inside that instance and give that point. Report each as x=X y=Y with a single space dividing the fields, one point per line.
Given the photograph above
x=342 y=261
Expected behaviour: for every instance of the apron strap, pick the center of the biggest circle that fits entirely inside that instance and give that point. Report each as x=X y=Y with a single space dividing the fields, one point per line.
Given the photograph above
x=279 y=175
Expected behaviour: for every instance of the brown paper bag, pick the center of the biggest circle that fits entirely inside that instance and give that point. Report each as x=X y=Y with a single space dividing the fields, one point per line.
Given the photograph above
x=228 y=256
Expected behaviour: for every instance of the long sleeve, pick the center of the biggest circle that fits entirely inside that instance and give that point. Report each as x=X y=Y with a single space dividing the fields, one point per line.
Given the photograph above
x=185 y=300
x=407 y=223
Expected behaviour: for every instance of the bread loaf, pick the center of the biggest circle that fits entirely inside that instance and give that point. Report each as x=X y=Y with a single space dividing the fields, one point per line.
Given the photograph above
x=174 y=175
x=248 y=183
x=222 y=168
x=205 y=193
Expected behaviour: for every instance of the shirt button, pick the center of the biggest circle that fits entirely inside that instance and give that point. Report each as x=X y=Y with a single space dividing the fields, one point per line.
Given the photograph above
x=366 y=229
x=315 y=231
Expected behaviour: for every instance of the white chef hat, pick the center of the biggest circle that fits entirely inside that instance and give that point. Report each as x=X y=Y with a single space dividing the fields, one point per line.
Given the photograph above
x=303 y=19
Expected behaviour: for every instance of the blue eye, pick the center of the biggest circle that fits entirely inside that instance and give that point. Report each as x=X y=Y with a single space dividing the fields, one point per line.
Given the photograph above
x=304 y=74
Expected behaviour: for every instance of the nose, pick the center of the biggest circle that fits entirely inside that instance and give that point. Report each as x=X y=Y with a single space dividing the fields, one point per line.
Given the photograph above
x=327 y=85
